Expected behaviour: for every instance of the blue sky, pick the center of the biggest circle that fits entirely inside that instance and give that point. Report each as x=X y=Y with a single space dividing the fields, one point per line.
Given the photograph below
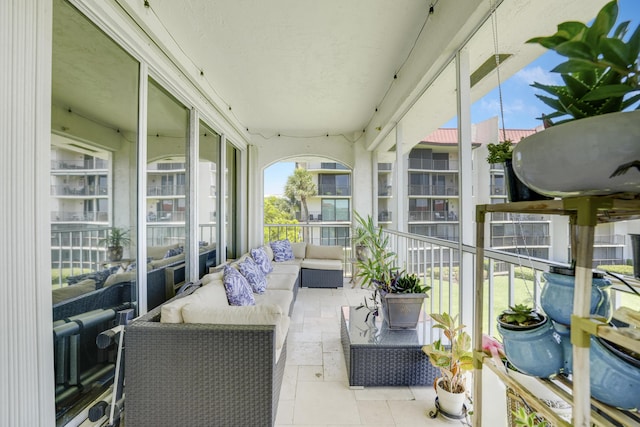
x=520 y=105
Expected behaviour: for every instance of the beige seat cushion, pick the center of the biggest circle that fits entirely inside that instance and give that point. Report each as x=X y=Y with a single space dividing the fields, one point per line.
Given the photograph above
x=281 y=298
x=283 y=268
x=67 y=292
x=322 y=264
x=284 y=281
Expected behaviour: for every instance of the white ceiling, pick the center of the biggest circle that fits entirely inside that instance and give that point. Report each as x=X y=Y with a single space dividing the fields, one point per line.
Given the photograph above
x=309 y=67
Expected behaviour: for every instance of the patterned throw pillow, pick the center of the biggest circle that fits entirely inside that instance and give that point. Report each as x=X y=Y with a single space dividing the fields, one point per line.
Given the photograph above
x=260 y=257
x=282 y=250
x=252 y=272
x=237 y=288
x=174 y=252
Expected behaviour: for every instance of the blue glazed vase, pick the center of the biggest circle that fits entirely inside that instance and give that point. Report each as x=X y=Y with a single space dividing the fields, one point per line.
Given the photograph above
x=556 y=298
x=537 y=351
x=614 y=380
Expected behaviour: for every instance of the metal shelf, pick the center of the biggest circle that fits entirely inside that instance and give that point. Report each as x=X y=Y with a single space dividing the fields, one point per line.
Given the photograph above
x=584 y=213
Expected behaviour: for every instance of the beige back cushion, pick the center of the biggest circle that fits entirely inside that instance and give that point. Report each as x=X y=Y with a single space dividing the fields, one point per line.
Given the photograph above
x=324 y=252
x=299 y=249
x=268 y=251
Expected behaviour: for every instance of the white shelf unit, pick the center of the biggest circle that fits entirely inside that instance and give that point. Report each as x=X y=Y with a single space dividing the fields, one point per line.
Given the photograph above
x=585 y=213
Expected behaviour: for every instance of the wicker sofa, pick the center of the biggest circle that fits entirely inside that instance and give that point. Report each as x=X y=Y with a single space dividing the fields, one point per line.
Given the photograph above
x=215 y=364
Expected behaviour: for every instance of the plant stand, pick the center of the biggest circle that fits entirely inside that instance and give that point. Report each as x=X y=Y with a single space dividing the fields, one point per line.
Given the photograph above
x=584 y=212
x=438 y=411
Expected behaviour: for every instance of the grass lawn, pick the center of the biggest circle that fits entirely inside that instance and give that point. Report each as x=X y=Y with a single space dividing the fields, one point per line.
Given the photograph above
x=523 y=294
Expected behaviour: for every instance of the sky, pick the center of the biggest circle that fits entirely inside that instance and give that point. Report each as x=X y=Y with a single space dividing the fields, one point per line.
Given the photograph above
x=520 y=105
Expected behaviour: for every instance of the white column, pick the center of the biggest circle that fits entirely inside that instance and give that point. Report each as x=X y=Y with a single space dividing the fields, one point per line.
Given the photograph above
x=255 y=200
x=467 y=206
x=221 y=246
x=193 y=229
x=26 y=352
x=399 y=187
x=141 y=270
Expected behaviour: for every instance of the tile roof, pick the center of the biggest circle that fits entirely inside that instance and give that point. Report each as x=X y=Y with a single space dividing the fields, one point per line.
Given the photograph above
x=450 y=135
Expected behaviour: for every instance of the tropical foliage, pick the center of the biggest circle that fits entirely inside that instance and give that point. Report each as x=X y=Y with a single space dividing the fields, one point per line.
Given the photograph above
x=600 y=74
x=278 y=210
x=454 y=358
x=300 y=186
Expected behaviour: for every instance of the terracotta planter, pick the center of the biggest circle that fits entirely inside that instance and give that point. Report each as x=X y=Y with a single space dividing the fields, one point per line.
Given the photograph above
x=579 y=157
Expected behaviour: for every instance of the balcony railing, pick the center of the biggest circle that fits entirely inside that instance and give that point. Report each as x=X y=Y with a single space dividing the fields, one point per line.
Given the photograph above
x=507 y=241
x=433 y=216
x=68 y=190
x=433 y=190
x=88 y=164
x=80 y=250
x=166 y=190
x=166 y=166
x=91 y=216
x=334 y=190
x=429 y=164
x=515 y=217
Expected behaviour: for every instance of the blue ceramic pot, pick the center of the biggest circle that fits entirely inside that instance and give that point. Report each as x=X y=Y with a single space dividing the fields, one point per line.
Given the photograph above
x=537 y=351
x=613 y=380
x=556 y=298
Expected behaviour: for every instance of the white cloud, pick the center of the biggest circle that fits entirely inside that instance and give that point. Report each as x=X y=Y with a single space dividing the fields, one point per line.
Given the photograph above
x=537 y=74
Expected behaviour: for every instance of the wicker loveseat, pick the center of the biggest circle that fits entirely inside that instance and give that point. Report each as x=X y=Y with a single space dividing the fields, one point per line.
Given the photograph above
x=197 y=361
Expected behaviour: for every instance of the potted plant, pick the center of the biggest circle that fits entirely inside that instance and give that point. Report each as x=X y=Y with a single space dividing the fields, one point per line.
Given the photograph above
x=592 y=148
x=530 y=342
x=114 y=241
x=453 y=360
x=516 y=190
x=401 y=294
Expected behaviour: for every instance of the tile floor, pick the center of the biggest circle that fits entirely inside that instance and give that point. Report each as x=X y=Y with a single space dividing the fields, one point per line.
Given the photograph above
x=315 y=390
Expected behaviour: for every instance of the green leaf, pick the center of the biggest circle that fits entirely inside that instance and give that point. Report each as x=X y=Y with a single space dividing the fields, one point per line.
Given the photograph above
x=575 y=66
x=609 y=91
x=553 y=103
x=615 y=51
x=571 y=30
x=576 y=49
x=603 y=23
x=575 y=86
x=630 y=101
x=634 y=43
x=621 y=30
x=549 y=42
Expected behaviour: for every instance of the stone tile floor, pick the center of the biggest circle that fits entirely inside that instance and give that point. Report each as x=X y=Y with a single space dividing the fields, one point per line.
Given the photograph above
x=315 y=391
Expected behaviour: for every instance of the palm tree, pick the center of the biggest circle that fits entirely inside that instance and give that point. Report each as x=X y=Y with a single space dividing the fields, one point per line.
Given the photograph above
x=300 y=186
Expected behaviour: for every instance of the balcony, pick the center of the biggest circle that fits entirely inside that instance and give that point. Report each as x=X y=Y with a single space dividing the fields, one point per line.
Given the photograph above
x=334 y=190
x=433 y=190
x=166 y=190
x=436 y=165
x=75 y=165
x=432 y=216
x=70 y=190
x=86 y=216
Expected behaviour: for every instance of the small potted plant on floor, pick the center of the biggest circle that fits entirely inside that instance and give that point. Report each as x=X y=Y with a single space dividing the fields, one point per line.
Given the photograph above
x=530 y=342
x=453 y=359
x=115 y=241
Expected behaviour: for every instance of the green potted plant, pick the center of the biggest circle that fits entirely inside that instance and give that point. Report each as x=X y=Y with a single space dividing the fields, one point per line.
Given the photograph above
x=453 y=359
x=591 y=144
x=530 y=341
x=115 y=241
x=502 y=152
x=401 y=294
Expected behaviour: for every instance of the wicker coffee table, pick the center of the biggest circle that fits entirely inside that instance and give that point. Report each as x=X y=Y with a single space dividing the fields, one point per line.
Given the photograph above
x=378 y=356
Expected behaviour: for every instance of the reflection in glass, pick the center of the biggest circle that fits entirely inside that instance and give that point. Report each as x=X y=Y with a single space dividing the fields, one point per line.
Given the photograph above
x=231 y=200
x=208 y=196
x=93 y=174
x=166 y=193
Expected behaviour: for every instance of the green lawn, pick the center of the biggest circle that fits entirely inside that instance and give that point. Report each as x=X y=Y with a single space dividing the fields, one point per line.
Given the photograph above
x=523 y=294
